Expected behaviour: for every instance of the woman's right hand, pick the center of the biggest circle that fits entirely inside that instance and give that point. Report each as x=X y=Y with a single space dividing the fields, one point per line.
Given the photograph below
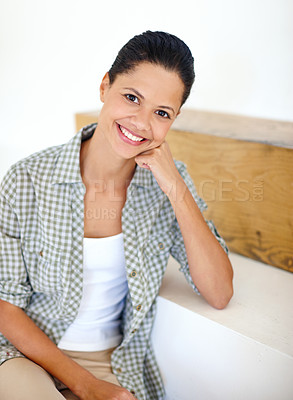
x=96 y=389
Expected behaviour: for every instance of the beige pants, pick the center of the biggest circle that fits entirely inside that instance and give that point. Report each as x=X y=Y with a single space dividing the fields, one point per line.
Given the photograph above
x=22 y=379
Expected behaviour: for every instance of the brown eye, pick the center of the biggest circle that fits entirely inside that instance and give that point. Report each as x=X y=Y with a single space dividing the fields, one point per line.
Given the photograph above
x=163 y=114
x=132 y=98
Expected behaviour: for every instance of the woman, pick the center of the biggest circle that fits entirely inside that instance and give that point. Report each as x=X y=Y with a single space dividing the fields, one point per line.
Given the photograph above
x=86 y=232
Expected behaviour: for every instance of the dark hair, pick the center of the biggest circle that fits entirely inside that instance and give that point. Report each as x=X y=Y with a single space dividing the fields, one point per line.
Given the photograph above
x=159 y=48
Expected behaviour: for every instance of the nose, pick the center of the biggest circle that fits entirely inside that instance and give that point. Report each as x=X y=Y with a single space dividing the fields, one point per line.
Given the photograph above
x=141 y=120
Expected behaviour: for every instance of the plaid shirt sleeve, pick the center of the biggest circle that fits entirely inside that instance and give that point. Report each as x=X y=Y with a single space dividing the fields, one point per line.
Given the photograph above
x=14 y=283
x=178 y=251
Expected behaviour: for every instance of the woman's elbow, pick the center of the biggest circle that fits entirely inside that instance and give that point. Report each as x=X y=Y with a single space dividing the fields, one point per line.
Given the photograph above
x=226 y=292
x=221 y=301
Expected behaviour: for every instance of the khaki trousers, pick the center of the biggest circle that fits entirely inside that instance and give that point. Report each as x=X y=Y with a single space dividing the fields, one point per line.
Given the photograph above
x=22 y=379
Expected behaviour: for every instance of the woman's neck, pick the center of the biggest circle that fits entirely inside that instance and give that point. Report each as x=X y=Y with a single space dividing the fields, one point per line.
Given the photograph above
x=99 y=164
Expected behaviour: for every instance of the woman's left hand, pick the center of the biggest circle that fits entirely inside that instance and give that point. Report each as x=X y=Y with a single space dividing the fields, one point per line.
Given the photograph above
x=160 y=161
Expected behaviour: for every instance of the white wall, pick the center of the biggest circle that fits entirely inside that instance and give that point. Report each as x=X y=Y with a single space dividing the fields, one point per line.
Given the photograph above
x=53 y=55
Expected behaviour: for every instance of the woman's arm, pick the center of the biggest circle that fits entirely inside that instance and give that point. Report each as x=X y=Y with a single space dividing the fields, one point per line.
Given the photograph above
x=24 y=334
x=209 y=265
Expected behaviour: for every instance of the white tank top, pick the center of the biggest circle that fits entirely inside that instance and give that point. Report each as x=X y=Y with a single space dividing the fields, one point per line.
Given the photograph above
x=97 y=325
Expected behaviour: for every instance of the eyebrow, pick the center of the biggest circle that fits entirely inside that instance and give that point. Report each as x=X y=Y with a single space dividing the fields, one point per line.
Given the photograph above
x=142 y=97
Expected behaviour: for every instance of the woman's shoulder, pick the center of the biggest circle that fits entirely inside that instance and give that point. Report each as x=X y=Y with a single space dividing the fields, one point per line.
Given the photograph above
x=41 y=156
x=35 y=159
x=20 y=173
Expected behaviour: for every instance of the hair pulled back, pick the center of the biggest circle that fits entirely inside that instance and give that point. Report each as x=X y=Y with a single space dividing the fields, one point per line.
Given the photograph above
x=158 y=48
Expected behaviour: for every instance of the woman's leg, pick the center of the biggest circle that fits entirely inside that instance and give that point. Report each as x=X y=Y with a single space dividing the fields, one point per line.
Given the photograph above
x=22 y=379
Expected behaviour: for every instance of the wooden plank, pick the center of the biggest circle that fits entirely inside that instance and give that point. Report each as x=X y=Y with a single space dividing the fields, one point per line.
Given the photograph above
x=248 y=187
x=277 y=133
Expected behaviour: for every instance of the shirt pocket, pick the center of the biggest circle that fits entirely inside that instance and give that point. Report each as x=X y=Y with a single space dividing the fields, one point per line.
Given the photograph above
x=159 y=243
x=44 y=266
x=157 y=247
x=55 y=224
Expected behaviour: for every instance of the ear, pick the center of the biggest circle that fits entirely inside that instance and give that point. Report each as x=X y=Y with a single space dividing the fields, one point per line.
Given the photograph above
x=104 y=87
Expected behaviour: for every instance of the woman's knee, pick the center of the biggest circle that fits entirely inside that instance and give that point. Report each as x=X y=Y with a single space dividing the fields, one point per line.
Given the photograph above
x=22 y=379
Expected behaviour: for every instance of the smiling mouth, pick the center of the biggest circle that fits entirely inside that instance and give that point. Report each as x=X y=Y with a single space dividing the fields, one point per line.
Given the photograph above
x=130 y=136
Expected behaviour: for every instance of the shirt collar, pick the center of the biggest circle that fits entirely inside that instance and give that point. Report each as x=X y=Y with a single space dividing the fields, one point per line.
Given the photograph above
x=67 y=168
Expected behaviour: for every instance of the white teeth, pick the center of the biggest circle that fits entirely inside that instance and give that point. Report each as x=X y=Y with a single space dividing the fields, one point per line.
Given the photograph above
x=129 y=135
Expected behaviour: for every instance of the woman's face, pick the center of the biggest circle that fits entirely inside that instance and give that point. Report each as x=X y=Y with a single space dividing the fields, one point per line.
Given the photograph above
x=139 y=108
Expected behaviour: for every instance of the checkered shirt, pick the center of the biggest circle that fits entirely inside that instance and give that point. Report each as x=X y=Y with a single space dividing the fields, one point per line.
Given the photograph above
x=41 y=253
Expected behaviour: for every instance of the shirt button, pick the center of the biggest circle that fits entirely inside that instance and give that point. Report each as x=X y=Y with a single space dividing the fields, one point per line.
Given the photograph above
x=119 y=370
x=161 y=246
x=133 y=273
x=41 y=253
x=134 y=330
x=132 y=392
x=138 y=307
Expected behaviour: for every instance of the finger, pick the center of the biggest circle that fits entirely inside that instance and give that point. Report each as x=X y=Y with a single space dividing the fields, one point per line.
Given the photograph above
x=143 y=163
x=147 y=166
